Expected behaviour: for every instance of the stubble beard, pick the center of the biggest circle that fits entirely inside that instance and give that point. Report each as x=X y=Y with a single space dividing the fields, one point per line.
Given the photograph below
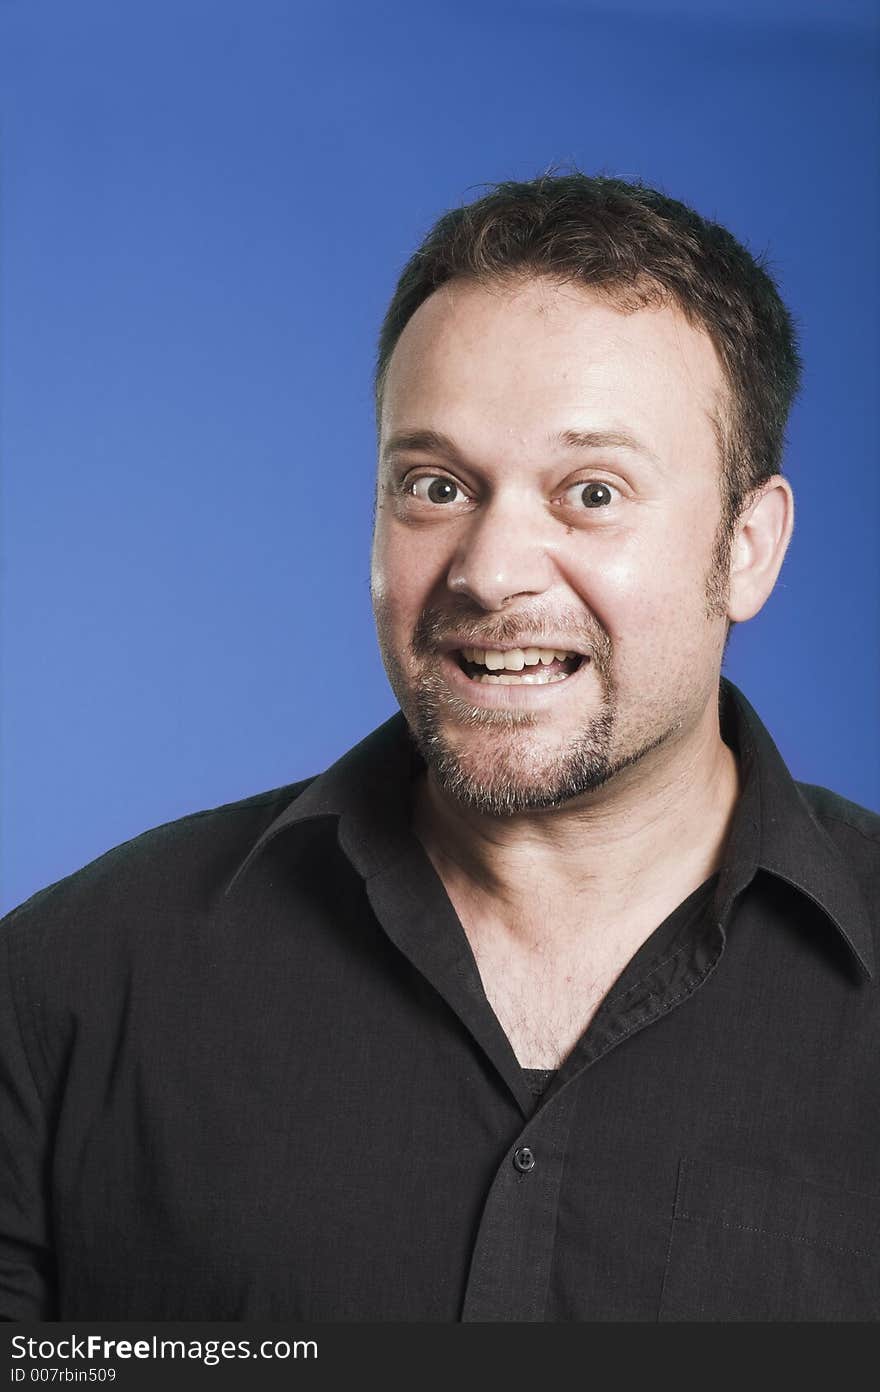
x=508 y=771
x=507 y=776
x=511 y=776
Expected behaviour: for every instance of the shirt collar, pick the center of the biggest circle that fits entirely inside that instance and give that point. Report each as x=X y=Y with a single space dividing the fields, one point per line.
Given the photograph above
x=773 y=829
x=368 y=790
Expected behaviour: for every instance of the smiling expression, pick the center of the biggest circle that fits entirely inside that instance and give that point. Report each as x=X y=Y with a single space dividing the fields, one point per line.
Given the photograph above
x=545 y=560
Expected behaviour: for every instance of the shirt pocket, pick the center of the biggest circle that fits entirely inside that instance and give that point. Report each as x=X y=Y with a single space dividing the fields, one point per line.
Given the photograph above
x=749 y=1245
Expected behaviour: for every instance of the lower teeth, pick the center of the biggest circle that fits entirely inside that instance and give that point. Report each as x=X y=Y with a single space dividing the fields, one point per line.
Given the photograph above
x=527 y=679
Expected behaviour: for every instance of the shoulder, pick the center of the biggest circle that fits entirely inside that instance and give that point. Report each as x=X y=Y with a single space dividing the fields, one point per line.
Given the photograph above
x=179 y=866
x=854 y=833
x=125 y=936
x=847 y=823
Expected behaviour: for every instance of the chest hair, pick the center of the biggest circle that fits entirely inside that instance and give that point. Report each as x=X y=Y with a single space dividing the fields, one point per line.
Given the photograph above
x=544 y=1006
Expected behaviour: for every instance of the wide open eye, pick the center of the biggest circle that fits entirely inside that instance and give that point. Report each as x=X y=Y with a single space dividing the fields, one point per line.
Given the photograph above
x=436 y=488
x=594 y=494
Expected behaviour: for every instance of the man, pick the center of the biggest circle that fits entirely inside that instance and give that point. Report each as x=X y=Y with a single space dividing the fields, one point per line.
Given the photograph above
x=553 y=999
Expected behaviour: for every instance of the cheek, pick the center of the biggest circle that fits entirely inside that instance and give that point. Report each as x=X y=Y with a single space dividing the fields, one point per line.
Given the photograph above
x=646 y=589
x=404 y=571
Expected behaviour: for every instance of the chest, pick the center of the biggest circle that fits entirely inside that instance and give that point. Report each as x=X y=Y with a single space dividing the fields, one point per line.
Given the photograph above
x=218 y=1161
x=544 y=1003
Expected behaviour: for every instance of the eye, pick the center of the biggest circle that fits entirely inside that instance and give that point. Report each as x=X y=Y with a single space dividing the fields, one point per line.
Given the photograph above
x=436 y=488
x=593 y=494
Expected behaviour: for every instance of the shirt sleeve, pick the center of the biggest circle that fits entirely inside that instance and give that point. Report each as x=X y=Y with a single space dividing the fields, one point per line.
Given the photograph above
x=27 y=1282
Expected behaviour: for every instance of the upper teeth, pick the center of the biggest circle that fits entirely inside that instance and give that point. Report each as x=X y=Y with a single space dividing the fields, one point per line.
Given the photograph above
x=515 y=659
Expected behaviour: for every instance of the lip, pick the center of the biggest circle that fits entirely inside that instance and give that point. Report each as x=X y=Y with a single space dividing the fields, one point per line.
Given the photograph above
x=492 y=697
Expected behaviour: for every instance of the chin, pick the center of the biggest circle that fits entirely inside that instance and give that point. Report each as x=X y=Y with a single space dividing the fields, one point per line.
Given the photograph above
x=509 y=770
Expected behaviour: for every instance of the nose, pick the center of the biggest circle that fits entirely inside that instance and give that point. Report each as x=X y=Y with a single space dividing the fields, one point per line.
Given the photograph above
x=502 y=555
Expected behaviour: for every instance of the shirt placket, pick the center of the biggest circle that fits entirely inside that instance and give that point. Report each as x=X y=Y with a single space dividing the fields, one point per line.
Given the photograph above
x=514 y=1249
x=512 y=1256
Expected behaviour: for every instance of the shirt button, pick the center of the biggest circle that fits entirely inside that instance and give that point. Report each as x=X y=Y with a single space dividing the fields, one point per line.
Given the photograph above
x=524 y=1159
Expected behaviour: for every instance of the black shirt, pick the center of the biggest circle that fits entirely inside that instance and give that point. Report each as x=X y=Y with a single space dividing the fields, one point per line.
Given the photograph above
x=248 y=1071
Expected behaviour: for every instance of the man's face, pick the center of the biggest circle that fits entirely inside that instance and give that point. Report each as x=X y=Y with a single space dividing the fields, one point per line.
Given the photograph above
x=547 y=516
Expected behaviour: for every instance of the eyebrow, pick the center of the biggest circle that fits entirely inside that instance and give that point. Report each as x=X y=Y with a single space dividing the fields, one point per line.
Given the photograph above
x=431 y=441
x=435 y=442
x=604 y=439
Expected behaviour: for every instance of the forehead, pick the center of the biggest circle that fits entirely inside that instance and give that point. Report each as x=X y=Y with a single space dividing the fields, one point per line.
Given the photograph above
x=518 y=360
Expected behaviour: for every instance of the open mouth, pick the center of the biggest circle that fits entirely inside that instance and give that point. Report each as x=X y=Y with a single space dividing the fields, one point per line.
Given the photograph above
x=518 y=666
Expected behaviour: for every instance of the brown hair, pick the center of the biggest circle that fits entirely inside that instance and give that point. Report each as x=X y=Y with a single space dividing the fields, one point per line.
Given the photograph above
x=637 y=247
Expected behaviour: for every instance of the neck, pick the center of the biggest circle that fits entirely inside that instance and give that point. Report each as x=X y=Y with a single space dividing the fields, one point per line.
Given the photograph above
x=621 y=855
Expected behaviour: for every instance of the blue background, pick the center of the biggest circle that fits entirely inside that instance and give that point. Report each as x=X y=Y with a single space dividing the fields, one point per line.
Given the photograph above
x=205 y=208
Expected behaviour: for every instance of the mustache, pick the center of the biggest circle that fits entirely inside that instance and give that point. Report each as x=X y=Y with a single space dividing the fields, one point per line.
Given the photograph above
x=585 y=635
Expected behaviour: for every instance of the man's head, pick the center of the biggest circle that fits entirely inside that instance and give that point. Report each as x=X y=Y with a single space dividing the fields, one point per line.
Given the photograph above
x=582 y=389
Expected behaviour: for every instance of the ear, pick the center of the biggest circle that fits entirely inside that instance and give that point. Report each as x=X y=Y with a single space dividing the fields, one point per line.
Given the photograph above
x=760 y=542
